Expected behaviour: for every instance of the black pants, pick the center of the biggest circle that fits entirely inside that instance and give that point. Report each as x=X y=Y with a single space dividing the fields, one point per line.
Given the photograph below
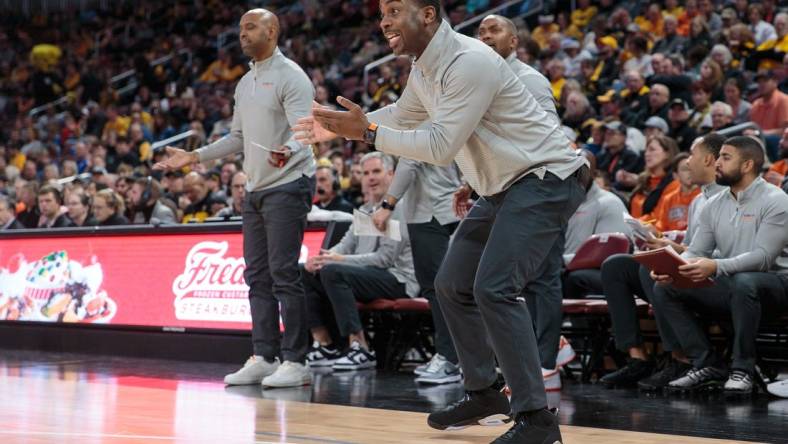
x=741 y=298
x=497 y=250
x=429 y=242
x=341 y=285
x=624 y=279
x=578 y=284
x=273 y=230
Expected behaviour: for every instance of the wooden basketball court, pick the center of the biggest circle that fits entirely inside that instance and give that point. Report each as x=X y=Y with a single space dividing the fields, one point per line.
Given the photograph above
x=79 y=407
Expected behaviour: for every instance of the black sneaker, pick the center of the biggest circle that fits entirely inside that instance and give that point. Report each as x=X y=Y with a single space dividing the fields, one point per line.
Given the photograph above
x=537 y=428
x=356 y=358
x=485 y=407
x=707 y=378
x=628 y=375
x=672 y=371
x=322 y=356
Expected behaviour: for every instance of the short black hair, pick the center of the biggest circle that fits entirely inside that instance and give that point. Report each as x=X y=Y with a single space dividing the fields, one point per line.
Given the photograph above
x=712 y=143
x=749 y=148
x=425 y=3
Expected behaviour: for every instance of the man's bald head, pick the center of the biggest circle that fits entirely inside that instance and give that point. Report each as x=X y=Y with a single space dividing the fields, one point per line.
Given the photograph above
x=259 y=33
x=505 y=22
x=499 y=33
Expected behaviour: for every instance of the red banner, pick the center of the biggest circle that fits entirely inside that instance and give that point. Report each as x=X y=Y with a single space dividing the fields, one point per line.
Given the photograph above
x=157 y=280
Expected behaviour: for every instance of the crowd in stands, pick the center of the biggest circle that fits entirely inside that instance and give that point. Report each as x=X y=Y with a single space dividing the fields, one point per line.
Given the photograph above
x=635 y=83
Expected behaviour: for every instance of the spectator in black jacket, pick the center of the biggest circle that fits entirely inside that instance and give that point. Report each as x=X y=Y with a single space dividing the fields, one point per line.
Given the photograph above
x=7 y=219
x=78 y=204
x=678 y=118
x=616 y=155
x=49 y=203
x=327 y=191
x=109 y=208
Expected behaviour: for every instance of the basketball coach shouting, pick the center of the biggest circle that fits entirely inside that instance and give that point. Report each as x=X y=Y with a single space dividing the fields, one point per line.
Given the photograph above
x=269 y=99
x=530 y=180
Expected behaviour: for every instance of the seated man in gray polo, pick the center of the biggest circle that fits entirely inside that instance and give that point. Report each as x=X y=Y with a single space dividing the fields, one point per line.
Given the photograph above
x=746 y=225
x=358 y=268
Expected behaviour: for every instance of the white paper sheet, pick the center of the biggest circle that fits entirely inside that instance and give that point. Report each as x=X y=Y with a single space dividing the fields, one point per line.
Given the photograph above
x=363 y=226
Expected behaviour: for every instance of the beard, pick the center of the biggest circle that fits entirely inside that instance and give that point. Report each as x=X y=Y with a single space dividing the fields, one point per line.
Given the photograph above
x=727 y=180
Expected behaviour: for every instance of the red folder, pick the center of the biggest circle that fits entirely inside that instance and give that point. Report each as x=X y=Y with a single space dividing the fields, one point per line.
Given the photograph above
x=666 y=261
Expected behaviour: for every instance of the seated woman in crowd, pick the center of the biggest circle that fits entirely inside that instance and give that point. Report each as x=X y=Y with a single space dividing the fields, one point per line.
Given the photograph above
x=656 y=181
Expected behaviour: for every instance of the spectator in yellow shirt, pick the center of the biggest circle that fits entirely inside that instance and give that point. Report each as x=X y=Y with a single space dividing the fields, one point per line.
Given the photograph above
x=580 y=18
x=222 y=70
x=545 y=30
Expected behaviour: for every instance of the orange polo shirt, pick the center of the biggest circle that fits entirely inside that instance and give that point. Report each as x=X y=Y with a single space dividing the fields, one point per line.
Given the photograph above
x=672 y=212
x=772 y=114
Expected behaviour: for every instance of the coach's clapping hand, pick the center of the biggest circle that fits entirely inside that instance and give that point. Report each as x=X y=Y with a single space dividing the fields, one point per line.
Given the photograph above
x=349 y=124
x=308 y=131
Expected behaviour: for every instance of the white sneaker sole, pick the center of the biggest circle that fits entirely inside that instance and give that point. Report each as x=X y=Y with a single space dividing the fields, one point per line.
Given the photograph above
x=323 y=363
x=303 y=382
x=443 y=380
x=490 y=421
x=363 y=366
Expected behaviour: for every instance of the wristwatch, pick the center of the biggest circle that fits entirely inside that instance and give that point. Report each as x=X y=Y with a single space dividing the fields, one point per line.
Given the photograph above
x=371 y=133
x=387 y=206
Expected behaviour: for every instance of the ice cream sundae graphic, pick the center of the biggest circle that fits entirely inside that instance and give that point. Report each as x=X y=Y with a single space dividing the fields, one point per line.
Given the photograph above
x=54 y=288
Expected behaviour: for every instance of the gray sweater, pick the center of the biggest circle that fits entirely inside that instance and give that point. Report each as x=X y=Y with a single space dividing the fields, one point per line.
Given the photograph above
x=269 y=99
x=535 y=83
x=750 y=230
x=480 y=115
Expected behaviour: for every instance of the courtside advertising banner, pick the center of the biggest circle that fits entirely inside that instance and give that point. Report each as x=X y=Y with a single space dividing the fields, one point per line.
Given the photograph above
x=153 y=280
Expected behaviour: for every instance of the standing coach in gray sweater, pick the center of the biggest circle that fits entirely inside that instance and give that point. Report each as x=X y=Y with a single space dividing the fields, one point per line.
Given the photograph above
x=270 y=98
x=518 y=159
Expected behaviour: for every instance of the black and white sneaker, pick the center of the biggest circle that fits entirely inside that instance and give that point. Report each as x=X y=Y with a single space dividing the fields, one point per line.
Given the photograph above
x=322 y=356
x=536 y=428
x=707 y=378
x=739 y=383
x=487 y=407
x=356 y=358
x=672 y=371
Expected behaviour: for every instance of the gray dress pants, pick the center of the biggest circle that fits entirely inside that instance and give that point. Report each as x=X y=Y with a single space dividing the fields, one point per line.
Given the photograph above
x=273 y=231
x=742 y=298
x=497 y=250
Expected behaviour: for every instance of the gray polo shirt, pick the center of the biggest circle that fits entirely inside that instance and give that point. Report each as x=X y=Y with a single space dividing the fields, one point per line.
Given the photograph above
x=382 y=252
x=600 y=212
x=269 y=100
x=696 y=207
x=535 y=83
x=480 y=115
x=748 y=230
